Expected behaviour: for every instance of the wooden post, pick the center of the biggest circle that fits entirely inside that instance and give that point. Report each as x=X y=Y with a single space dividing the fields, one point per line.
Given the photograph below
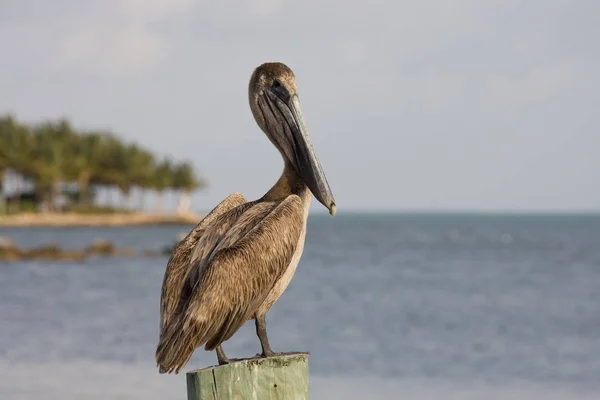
x=283 y=377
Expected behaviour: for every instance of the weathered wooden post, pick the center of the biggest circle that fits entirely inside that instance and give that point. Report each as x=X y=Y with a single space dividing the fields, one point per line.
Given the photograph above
x=284 y=377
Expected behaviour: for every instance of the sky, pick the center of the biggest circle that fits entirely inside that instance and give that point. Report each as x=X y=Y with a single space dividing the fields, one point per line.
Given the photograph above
x=428 y=105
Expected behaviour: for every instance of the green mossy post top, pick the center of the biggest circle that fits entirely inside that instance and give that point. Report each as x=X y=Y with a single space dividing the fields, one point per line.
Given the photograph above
x=282 y=377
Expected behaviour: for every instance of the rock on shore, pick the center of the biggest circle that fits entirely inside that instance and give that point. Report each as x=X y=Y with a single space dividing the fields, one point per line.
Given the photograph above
x=10 y=252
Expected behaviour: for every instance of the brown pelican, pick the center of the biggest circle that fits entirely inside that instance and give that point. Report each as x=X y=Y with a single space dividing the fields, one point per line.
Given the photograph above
x=240 y=258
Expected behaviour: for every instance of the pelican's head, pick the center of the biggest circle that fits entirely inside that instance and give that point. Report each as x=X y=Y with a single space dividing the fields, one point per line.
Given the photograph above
x=275 y=105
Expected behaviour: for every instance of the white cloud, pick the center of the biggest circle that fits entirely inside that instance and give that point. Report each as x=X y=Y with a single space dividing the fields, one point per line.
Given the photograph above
x=120 y=38
x=109 y=38
x=121 y=51
x=467 y=81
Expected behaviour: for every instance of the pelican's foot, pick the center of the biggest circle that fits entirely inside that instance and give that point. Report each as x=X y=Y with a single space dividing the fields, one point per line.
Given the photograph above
x=261 y=331
x=270 y=353
x=221 y=357
x=223 y=361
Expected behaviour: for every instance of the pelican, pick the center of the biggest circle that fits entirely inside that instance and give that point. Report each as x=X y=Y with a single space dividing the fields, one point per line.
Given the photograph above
x=240 y=258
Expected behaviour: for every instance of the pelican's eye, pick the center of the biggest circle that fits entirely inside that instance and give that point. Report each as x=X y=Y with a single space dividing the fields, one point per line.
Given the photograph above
x=280 y=91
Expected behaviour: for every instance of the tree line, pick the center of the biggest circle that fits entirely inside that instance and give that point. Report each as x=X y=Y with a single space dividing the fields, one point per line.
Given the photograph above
x=52 y=155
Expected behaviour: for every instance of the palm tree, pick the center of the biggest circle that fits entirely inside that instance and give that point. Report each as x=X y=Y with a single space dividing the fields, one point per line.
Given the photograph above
x=163 y=180
x=50 y=162
x=110 y=156
x=53 y=154
x=185 y=181
x=85 y=157
x=15 y=150
x=113 y=167
x=3 y=168
x=140 y=164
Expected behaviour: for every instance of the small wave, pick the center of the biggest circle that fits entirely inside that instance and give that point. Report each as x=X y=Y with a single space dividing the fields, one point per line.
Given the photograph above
x=114 y=381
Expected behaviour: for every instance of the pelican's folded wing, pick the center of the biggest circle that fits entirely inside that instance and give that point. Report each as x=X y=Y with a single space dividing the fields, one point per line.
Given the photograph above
x=180 y=263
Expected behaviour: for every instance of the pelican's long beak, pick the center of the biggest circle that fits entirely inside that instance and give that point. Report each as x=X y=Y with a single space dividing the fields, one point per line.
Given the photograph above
x=288 y=131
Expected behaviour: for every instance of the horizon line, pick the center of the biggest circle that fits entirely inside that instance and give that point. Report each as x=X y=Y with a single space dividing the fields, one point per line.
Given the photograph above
x=518 y=212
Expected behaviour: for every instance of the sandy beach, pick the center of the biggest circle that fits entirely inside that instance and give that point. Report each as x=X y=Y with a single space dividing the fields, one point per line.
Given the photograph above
x=74 y=219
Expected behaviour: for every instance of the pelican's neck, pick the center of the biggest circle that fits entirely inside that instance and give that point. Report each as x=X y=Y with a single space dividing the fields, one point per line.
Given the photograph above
x=288 y=183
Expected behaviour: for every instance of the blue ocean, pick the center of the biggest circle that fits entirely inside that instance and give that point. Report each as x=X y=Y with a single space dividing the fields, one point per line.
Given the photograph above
x=390 y=306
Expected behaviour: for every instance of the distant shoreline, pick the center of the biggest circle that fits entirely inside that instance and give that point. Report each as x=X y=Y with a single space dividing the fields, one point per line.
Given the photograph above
x=93 y=220
x=118 y=219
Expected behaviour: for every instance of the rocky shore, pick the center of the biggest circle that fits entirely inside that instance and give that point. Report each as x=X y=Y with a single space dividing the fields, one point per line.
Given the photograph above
x=52 y=252
x=117 y=219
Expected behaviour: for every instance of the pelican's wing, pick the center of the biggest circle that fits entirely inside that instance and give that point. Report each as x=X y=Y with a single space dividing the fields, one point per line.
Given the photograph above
x=232 y=277
x=180 y=263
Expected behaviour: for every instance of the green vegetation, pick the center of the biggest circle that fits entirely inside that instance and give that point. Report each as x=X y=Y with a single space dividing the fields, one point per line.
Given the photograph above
x=53 y=159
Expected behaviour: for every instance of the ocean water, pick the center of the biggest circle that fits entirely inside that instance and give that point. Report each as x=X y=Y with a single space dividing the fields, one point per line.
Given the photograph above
x=390 y=307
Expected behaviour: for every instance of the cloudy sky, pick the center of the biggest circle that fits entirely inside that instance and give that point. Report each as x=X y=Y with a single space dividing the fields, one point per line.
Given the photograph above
x=463 y=104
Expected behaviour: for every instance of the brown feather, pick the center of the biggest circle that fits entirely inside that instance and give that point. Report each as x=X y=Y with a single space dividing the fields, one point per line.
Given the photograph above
x=238 y=260
x=179 y=264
